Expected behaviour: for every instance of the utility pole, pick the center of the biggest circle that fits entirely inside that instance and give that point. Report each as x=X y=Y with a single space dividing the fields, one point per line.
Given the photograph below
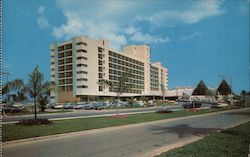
x=7 y=86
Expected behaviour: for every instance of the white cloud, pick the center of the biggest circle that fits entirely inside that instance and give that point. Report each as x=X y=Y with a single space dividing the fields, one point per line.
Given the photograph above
x=41 y=9
x=196 y=13
x=113 y=21
x=147 y=38
x=134 y=34
x=191 y=36
x=124 y=21
x=42 y=22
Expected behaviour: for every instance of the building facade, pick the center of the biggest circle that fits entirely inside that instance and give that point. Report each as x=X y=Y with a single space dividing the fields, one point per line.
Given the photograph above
x=77 y=65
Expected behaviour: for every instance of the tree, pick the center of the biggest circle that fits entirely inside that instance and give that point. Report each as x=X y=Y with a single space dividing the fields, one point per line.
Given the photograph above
x=38 y=89
x=163 y=93
x=5 y=91
x=119 y=87
x=43 y=97
x=16 y=90
x=19 y=89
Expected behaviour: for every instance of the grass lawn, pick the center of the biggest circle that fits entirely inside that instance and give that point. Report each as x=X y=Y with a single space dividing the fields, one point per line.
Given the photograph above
x=232 y=142
x=14 y=131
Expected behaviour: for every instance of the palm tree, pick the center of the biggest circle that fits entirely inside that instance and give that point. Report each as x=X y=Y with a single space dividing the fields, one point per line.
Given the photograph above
x=18 y=86
x=163 y=93
x=17 y=89
x=119 y=87
x=5 y=90
x=44 y=94
x=38 y=89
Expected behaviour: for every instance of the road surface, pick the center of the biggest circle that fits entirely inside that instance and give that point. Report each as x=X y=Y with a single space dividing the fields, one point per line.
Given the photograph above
x=82 y=113
x=137 y=140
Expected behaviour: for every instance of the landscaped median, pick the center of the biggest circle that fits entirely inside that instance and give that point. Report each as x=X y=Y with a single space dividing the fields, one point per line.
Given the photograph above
x=15 y=131
x=232 y=142
x=31 y=113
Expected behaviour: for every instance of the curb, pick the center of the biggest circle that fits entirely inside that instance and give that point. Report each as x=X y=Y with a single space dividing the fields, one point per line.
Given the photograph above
x=92 y=131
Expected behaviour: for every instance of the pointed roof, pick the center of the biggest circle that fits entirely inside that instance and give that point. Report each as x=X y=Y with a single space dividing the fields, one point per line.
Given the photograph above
x=201 y=89
x=224 y=88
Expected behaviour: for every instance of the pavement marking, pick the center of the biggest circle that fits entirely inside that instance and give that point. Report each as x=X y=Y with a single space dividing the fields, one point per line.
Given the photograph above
x=93 y=131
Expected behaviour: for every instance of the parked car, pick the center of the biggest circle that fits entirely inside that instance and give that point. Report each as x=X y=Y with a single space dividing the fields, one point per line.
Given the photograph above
x=192 y=104
x=79 y=106
x=60 y=106
x=69 y=106
x=11 y=109
x=151 y=103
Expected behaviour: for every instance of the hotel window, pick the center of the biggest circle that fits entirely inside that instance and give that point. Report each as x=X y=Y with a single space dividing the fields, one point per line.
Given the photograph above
x=82 y=50
x=81 y=43
x=82 y=79
x=81 y=65
x=68 y=74
x=69 y=60
x=61 y=75
x=100 y=49
x=84 y=58
x=69 y=81
x=69 y=88
x=68 y=53
x=100 y=88
x=60 y=55
x=61 y=82
x=60 y=68
x=69 y=67
x=83 y=86
x=68 y=46
x=61 y=48
x=82 y=72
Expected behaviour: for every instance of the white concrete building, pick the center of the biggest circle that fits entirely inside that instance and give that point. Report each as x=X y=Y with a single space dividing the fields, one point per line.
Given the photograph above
x=78 y=64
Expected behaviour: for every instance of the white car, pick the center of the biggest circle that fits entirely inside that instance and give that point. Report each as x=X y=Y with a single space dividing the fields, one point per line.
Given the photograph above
x=58 y=107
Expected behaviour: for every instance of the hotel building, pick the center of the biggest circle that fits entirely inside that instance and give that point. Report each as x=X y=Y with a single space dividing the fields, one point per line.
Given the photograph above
x=77 y=65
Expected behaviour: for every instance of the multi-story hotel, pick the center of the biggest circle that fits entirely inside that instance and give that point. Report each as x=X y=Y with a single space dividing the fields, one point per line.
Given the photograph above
x=77 y=65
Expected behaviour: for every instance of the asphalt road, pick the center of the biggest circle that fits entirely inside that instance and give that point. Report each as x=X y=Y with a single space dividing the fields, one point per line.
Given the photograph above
x=132 y=141
x=82 y=113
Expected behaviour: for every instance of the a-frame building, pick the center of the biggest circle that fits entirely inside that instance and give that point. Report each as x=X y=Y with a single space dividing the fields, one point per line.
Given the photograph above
x=201 y=89
x=224 y=88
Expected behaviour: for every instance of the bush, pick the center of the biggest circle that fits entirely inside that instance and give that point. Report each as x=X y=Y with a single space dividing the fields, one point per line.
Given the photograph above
x=164 y=111
x=30 y=122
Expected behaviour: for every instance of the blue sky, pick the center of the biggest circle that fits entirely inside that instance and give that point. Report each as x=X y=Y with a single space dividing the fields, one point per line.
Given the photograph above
x=196 y=40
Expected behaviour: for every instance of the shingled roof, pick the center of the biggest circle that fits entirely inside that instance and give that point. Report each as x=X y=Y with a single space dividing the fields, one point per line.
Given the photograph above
x=224 y=88
x=201 y=89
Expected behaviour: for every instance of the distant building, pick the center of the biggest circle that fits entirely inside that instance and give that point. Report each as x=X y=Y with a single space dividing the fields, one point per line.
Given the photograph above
x=77 y=65
x=201 y=89
x=224 y=89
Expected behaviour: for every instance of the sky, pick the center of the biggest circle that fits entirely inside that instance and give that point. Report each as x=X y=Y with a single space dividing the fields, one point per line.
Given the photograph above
x=196 y=40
